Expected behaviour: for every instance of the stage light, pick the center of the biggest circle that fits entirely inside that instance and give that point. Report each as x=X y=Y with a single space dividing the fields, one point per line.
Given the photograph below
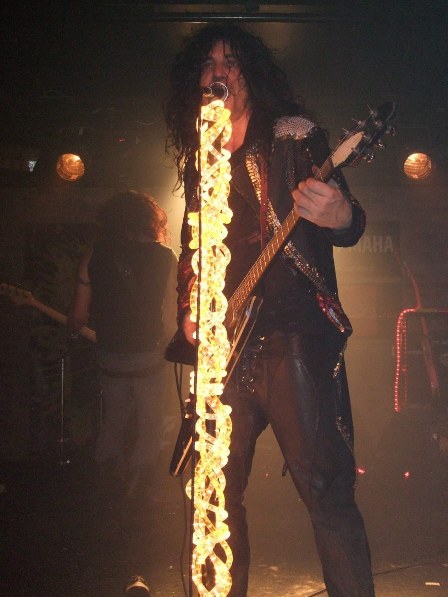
x=70 y=166
x=137 y=586
x=417 y=166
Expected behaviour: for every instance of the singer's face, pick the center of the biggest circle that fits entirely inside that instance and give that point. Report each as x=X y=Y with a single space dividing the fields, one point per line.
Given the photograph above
x=222 y=66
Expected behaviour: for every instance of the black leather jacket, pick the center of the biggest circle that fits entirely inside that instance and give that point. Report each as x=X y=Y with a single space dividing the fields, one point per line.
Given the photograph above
x=298 y=146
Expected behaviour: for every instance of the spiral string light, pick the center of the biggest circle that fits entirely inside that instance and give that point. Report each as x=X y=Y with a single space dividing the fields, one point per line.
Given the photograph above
x=211 y=552
x=401 y=340
x=401 y=352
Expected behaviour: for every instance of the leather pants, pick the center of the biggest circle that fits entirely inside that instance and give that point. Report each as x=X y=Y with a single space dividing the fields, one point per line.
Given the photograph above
x=287 y=381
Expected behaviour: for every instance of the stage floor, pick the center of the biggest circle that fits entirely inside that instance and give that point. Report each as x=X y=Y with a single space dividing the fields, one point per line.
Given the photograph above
x=60 y=543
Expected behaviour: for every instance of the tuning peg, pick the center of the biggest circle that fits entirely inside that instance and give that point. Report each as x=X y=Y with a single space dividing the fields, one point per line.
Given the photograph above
x=368 y=156
x=391 y=130
x=380 y=145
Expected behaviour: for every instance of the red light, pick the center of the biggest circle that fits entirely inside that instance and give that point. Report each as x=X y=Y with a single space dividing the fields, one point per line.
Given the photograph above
x=406 y=474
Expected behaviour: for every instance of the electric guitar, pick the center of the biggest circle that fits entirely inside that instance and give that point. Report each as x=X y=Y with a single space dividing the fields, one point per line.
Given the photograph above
x=244 y=305
x=24 y=297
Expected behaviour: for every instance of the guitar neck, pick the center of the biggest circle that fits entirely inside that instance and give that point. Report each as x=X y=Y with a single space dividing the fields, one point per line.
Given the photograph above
x=86 y=332
x=260 y=266
x=56 y=315
x=258 y=269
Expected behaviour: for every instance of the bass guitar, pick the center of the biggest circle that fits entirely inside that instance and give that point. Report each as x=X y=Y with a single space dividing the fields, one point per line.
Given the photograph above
x=244 y=305
x=24 y=297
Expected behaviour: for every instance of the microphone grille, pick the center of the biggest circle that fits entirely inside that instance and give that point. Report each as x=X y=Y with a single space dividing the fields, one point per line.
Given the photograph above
x=219 y=90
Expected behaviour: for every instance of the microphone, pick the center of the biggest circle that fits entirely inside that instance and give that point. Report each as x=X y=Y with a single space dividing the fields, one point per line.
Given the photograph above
x=217 y=90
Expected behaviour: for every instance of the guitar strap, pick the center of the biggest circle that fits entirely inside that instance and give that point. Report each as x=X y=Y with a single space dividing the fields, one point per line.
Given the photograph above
x=243 y=185
x=328 y=302
x=263 y=202
x=250 y=180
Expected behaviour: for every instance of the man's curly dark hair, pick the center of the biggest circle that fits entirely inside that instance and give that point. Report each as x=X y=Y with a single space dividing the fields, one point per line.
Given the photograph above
x=129 y=214
x=270 y=94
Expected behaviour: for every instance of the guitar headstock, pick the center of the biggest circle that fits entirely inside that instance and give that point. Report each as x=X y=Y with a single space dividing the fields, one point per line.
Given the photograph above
x=18 y=295
x=359 y=143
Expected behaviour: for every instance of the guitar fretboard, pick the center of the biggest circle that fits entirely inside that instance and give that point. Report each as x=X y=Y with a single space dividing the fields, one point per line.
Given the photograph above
x=258 y=269
x=255 y=273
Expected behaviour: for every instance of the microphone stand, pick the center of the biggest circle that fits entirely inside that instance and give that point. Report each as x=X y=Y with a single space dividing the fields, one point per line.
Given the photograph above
x=62 y=459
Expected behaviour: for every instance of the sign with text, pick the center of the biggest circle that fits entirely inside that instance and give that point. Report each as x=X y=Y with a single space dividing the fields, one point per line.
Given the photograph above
x=370 y=279
x=376 y=256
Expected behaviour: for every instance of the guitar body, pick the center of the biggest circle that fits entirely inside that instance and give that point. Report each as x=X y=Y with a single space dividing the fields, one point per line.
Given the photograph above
x=239 y=336
x=241 y=331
